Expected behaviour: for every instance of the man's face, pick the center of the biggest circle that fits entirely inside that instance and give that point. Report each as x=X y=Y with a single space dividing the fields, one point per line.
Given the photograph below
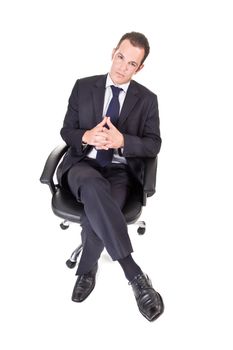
x=126 y=61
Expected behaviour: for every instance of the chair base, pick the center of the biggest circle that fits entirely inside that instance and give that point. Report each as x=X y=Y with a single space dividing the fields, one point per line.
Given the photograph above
x=72 y=261
x=64 y=225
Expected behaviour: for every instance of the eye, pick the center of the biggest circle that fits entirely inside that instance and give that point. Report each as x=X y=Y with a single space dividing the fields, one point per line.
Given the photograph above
x=120 y=56
x=133 y=64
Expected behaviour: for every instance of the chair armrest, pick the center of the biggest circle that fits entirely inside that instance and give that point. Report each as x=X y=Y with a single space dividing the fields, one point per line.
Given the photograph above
x=51 y=165
x=149 y=183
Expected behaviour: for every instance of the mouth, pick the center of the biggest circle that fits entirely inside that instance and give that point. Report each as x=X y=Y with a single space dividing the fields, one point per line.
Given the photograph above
x=120 y=75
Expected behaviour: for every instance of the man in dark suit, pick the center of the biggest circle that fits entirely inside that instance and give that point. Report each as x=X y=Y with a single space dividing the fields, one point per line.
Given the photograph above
x=111 y=124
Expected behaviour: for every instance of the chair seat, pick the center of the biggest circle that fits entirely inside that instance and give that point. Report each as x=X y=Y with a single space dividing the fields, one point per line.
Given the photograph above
x=66 y=207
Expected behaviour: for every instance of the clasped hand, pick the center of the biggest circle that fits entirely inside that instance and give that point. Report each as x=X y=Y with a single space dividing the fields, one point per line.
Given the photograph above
x=102 y=137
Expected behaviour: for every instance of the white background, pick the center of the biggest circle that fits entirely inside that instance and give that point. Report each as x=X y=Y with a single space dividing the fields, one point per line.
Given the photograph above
x=187 y=250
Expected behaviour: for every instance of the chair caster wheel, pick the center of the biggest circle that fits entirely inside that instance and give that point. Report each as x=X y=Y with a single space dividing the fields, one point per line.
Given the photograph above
x=70 y=264
x=64 y=227
x=141 y=230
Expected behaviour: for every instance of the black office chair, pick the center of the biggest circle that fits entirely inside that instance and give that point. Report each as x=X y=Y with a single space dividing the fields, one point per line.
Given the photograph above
x=65 y=206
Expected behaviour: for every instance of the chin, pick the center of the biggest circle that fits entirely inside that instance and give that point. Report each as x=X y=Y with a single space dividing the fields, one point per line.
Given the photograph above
x=119 y=79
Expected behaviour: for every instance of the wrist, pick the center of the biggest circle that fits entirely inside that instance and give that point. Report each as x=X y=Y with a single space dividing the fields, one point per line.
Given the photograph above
x=84 y=138
x=122 y=141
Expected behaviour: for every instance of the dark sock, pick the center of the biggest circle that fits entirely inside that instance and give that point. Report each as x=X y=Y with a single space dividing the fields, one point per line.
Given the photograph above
x=130 y=268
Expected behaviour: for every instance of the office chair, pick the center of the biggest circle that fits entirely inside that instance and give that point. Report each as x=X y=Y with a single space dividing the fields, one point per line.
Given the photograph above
x=65 y=206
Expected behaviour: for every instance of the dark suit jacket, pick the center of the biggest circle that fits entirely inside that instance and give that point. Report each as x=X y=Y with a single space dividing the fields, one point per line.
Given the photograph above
x=138 y=122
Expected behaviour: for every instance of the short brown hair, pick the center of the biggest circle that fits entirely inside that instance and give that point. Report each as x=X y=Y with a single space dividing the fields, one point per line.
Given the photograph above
x=138 y=40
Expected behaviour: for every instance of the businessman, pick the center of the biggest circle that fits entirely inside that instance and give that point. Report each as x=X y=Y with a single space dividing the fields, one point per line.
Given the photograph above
x=111 y=125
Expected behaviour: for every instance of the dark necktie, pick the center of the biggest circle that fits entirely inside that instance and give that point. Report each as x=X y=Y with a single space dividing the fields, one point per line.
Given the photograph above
x=104 y=157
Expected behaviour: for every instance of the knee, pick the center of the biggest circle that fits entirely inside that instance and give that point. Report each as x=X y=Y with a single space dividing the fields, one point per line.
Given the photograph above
x=93 y=190
x=72 y=177
x=96 y=184
x=87 y=181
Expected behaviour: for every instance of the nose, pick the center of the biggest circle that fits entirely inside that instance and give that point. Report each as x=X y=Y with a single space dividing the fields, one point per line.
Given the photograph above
x=124 y=66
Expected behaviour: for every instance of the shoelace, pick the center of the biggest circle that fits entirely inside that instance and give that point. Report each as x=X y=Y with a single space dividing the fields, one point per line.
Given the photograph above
x=140 y=282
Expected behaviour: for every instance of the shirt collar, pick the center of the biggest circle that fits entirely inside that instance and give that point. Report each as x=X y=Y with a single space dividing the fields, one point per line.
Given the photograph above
x=109 y=82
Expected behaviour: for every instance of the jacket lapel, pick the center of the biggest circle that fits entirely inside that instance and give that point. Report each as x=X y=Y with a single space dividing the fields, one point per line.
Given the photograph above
x=98 y=97
x=131 y=99
x=98 y=93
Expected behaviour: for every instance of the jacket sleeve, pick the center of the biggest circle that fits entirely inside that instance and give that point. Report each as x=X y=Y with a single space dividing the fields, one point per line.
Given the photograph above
x=71 y=132
x=147 y=142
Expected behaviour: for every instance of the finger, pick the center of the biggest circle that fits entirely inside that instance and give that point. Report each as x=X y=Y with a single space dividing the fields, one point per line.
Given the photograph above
x=102 y=134
x=101 y=147
x=105 y=130
x=103 y=122
x=109 y=123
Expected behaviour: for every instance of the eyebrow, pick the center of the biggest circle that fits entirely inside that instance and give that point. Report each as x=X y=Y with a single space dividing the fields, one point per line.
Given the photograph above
x=129 y=61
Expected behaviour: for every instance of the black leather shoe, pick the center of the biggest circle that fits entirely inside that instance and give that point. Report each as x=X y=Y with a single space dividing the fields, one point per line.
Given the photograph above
x=84 y=285
x=149 y=301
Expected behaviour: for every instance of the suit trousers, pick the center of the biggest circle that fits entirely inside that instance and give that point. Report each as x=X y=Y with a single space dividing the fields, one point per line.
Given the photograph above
x=103 y=192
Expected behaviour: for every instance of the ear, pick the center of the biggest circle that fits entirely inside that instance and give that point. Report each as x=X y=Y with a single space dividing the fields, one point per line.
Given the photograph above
x=113 y=52
x=139 y=68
